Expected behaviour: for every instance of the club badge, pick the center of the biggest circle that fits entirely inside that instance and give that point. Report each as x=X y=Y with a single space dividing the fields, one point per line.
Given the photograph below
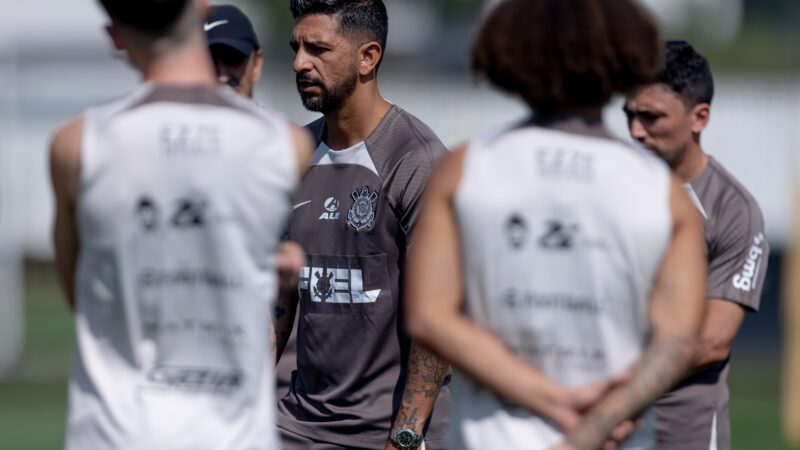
x=362 y=214
x=323 y=288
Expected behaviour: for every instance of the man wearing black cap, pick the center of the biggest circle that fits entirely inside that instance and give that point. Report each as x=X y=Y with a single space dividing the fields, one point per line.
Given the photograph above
x=234 y=47
x=239 y=59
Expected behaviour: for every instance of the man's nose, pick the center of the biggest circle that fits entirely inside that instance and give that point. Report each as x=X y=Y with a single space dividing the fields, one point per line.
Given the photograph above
x=301 y=62
x=637 y=130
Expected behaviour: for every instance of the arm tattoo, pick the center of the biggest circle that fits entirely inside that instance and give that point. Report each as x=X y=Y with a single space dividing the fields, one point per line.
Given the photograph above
x=426 y=372
x=283 y=320
x=662 y=365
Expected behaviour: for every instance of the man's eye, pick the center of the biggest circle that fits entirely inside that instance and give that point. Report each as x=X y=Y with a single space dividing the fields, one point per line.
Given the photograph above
x=315 y=49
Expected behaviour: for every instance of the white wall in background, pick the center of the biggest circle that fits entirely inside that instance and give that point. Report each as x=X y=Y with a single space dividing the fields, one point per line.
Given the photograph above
x=11 y=232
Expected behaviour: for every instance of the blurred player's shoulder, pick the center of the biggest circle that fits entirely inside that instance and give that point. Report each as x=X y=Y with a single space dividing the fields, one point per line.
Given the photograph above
x=68 y=132
x=65 y=155
x=317 y=128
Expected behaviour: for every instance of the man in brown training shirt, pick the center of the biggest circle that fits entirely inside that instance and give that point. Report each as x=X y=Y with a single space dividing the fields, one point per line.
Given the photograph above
x=668 y=118
x=357 y=370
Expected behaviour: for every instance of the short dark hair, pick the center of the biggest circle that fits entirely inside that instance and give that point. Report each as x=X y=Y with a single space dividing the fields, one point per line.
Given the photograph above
x=687 y=73
x=364 y=19
x=145 y=15
x=556 y=53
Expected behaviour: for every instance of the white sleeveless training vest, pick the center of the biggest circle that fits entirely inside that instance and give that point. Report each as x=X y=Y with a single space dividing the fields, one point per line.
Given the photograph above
x=184 y=195
x=562 y=235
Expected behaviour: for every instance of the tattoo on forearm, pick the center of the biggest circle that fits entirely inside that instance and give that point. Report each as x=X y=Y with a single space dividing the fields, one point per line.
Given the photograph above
x=283 y=315
x=659 y=369
x=426 y=373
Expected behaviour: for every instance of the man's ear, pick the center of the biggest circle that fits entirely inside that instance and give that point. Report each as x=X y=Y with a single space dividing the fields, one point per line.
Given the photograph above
x=115 y=36
x=701 y=114
x=369 y=55
x=258 y=65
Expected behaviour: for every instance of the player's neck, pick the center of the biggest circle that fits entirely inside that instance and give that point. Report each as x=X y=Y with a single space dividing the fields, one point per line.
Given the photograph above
x=693 y=164
x=584 y=113
x=356 y=119
x=188 y=66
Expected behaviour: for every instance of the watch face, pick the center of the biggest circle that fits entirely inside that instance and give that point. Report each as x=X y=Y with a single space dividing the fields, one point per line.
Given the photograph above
x=406 y=438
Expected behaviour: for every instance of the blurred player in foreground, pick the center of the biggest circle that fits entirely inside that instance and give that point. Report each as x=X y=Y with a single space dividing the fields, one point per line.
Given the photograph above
x=170 y=204
x=575 y=258
x=239 y=60
x=355 y=216
x=668 y=118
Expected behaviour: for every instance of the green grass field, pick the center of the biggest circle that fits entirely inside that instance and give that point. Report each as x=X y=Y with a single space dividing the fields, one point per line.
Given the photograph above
x=33 y=397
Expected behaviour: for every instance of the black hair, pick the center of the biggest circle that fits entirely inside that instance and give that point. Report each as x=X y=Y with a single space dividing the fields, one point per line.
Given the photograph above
x=687 y=73
x=561 y=53
x=153 y=16
x=363 y=19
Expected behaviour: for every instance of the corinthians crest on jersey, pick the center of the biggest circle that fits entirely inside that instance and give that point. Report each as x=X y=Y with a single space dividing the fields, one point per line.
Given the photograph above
x=362 y=214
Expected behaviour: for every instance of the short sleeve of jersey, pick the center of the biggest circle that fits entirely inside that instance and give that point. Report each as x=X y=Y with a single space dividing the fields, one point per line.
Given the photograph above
x=413 y=174
x=738 y=255
x=407 y=170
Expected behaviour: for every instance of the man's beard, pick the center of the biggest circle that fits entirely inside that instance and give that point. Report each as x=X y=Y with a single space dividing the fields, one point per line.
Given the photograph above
x=675 y=158
x=331 y=99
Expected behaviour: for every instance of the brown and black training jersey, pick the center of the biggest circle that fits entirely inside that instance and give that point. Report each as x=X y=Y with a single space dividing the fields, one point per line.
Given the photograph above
x=694 y=415
x=354 y=216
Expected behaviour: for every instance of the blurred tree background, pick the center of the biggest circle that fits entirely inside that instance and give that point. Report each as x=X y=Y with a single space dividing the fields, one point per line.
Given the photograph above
x=765 y=35
x=767 y=41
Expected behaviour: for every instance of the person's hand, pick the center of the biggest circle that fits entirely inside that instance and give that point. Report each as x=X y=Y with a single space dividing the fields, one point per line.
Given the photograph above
x=568 y=415
x=290 y=259
x=581 y=400
x=621 y=433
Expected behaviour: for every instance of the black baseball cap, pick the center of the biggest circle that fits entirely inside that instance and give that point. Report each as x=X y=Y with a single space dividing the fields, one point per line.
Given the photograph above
x=227 y=25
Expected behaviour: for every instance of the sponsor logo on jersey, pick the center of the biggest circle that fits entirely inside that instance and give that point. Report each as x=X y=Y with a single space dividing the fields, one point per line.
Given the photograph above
x=187 y=278
x=745 y=279
x=558 y=235
x=331 y=206
x=193 y=328
x=148 y=212
x=516 y=300
x=517 y=231
x=197 y=378
x=361 y=215
x=301 y=204
x=553 y=234
x=335 y=285
x=187 y=213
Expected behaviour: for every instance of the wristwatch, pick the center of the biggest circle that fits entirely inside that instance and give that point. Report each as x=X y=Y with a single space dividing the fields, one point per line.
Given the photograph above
x=405 y=438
